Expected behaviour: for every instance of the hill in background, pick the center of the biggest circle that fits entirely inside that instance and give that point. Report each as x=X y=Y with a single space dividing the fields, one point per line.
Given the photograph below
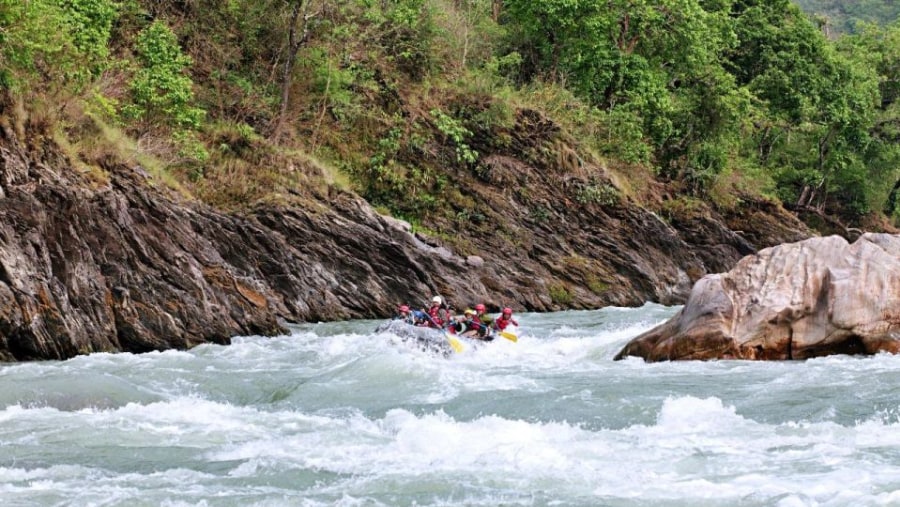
x=842 y=17
x=249 y=101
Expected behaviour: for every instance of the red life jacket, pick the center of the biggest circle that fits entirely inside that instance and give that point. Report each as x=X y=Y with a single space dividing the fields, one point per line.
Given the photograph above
x=502 y=322
x=435 y=313
x=474 y=324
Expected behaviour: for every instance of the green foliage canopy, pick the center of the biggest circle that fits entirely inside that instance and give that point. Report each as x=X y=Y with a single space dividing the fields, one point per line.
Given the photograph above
x=53 y=44
x=816 y=106
x=692 y=87
x=657 y=61
x=717 y=81
x=161 y=91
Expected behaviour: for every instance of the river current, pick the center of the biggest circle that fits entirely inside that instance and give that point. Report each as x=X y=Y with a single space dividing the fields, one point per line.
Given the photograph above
x=334 y=414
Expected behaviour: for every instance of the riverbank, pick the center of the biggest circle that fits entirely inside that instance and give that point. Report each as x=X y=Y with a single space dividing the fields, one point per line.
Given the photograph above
x=125 y=264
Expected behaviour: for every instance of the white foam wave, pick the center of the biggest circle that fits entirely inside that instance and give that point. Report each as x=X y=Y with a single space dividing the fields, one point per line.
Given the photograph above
x=336 y=415
x=683 y=456
x=698 y=448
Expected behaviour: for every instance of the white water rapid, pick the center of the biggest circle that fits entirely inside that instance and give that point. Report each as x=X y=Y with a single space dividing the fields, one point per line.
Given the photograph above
x=334 y=414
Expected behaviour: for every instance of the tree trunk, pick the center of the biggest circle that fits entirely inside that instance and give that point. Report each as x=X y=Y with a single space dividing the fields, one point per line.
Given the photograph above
x=891 y=206
x=496 y=8
x=296 y=38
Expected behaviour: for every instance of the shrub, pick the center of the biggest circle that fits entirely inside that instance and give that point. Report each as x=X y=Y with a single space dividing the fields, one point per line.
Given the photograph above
x=53 y=44
x=595 y=192
x=560 y=294
x=89 y=22
x=457 y=133
x=161 y=93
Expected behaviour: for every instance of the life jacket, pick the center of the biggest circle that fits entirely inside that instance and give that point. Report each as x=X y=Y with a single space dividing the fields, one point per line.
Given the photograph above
x=502 y=322
x=435 y=313
x=456 y=327
x=475 y=324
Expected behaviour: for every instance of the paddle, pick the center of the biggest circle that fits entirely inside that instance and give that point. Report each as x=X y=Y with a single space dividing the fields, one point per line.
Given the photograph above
x=455 y=344
x=509 y=336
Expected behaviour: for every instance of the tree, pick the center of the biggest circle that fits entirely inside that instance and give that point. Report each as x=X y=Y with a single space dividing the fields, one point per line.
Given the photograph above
x=659 y=61
x=298 y=33
x=818 y=106
x=877 y=48
x=496 y=9
x=161 y=93
x=58 y=44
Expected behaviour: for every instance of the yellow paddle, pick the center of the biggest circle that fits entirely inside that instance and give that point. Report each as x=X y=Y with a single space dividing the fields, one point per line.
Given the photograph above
x=506 y=334
x=455 y=344
x=509 y=336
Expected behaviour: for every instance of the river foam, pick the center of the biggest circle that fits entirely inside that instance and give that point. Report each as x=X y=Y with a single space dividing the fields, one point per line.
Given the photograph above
x=336 y=415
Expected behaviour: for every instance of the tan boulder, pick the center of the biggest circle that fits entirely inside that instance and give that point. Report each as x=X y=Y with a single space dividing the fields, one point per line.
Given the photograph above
x=812 y=298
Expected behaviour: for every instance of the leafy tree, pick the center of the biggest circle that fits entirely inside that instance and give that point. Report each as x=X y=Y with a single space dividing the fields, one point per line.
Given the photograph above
x=89 y=22
x=298 y=33
x=878 y=49
x=58 y=44
x=405 y=31
x=161 y=93
x=658 y=61
x=818 y=106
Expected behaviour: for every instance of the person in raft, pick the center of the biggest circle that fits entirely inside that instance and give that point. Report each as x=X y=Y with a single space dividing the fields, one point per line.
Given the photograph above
x=437 y=313
x=414 y=317
x=483 y=317
x=470 y=326
x=403 y=313
x=504 y=319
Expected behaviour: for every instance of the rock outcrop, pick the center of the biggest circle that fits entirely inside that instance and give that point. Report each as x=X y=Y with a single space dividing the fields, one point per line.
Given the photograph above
x=812 y=298
x=117 y=263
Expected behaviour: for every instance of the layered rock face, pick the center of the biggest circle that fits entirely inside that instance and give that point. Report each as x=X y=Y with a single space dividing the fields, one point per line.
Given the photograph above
x=800 y=300
x=116 y=263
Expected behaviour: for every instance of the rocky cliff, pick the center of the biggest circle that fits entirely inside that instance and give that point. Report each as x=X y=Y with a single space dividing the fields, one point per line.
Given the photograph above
x=123 y=265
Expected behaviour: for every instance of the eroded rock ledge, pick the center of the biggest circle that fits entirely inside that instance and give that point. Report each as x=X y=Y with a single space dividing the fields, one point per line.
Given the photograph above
x=800 y=300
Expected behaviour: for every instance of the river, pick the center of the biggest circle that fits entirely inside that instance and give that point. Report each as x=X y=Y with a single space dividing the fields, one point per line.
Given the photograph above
x=333 y=414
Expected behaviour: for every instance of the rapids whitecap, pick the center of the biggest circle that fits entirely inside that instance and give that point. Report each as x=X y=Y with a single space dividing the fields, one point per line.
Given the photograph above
x=336 y=415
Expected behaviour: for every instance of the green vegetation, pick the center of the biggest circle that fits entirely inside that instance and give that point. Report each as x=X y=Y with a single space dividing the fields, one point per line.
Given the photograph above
x=50 y=45
x=843 y=16
x=161 y=92
x=247 y=100
x=560 y=294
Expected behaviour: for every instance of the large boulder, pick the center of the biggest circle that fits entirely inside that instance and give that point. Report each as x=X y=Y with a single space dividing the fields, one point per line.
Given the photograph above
x=799 y=300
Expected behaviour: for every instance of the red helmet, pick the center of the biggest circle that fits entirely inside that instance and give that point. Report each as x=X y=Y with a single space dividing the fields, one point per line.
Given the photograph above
x=404 y=308
x=479 y=307
x=507 y=311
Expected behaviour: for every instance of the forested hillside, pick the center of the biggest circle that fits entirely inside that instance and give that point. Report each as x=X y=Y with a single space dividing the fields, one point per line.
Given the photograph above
x=841 y=17
x=242 y=101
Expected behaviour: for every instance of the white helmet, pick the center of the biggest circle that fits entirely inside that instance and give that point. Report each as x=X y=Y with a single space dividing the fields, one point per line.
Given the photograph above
x=436 y=299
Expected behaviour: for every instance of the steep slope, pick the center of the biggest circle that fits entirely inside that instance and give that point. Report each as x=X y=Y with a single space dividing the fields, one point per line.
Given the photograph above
x=125 y=266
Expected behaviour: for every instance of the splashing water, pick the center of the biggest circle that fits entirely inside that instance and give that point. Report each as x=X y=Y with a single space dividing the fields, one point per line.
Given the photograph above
x=335 y=414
